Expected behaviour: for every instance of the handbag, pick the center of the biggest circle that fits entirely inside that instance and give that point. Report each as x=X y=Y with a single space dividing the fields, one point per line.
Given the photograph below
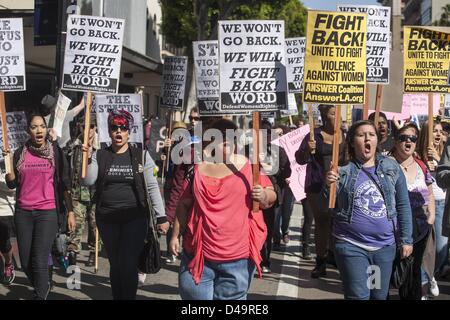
x=150 y=256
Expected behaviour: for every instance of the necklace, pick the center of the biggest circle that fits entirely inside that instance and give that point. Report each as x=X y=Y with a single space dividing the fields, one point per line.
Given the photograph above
x=407 y=166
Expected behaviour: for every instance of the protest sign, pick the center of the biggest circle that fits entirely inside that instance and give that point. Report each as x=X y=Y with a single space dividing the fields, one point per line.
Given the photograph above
x=12 y=57
x=103 y=104
x=426 y=59
x=158 y=134
x=378 y=40
x=295 y=59
x=252 y=66
x=93 y=54
x=62 y=105
x=290 y=142
x=17 y=131
x=173 y=83
x=292 y=107
x=206 y=64
x=335 y=60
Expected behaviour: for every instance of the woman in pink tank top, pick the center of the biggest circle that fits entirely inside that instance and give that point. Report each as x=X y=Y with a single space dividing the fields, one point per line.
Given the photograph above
x=222 y=237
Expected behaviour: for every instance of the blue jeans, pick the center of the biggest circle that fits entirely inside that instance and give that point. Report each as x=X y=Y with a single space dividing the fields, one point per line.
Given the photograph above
x=354 y=266
x=441 y=241
x=283 y=214
x=220 y=281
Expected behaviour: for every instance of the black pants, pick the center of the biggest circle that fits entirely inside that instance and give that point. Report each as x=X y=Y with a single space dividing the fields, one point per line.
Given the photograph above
x=269 y=219
x=36 y=231
x=308 y=218
x=123 y=241
x=5 y=234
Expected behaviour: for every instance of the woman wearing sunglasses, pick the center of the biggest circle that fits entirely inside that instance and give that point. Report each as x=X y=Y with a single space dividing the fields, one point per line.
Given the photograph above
x=121 y=203
x=419 y=182
x=371 y=198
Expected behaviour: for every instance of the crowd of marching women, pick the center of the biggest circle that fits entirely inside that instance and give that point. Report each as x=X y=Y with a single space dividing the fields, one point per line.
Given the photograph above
x=390 y=205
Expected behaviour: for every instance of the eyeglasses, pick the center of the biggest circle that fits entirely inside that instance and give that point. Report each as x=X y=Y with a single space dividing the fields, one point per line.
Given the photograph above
x=115 y=128
x=405 y=137
x=194 y=118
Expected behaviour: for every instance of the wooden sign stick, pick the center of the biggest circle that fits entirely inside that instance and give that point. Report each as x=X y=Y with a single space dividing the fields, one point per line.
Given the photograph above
x=169 y=135
x=87 y=126
x=430 y=122
x=378 y=104
x=366 y=103
x=311 y=125
x=8 y=163
x=255 y=165
x=335 y=154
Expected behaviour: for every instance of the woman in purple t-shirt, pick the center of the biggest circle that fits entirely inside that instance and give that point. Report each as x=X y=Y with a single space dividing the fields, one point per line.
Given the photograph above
x=41 y=179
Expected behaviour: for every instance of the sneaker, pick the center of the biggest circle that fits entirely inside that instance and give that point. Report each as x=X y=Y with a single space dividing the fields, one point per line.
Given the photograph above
x=425 y=298
x=91 y=260
x=141 y=281
x=9 y=275
x=320 y=270
x=171 y=259
x=434 y=289
x=286 y=238
x=266 y=270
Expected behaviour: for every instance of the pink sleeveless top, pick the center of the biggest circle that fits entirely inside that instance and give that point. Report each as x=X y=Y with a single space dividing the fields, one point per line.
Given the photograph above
x=221 y=226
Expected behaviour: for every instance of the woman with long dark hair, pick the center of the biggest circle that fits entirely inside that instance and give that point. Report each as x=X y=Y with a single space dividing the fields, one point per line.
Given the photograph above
x=41 y=179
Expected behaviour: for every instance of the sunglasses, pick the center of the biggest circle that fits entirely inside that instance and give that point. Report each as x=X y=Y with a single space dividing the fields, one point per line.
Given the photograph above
x=115 y=128
x=194 y=118
x=405 y=137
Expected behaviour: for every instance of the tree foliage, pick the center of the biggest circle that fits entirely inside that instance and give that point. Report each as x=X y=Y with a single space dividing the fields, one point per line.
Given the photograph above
x=444 y=21
x=184 y=21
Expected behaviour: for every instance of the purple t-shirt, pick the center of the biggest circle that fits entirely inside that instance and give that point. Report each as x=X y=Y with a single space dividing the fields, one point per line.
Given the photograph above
x=369 y=227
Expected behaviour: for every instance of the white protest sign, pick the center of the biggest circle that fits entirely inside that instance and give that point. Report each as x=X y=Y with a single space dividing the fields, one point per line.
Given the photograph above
x=292 y=110
x=12 y=57
x=206 y=62
x=295 y=59
x=378 y=40
x=93 y=54
x=60 y=113
x=252 y=65
x=103 y=104
x=17 y=130
x=173 y=82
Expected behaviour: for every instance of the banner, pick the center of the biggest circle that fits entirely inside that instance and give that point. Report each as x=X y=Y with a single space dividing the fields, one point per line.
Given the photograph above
x=132 y=103
x=295 y=59
x=427 y=59
x=292 y=110
x=206 y=64
x=12 y=57
x=157 y=137
x=290 y=142
x=93 y=54
x=173 y=82
x=252 y=66
x=62 y=105
x=378 y=40
x=17 y=131
x=335 y=61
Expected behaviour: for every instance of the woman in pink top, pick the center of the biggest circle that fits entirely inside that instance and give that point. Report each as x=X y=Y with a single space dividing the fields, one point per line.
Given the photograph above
x=222 y=237
x=41 y=179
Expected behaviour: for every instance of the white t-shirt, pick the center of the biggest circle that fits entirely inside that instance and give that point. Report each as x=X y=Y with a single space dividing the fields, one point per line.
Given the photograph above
x=7 y=197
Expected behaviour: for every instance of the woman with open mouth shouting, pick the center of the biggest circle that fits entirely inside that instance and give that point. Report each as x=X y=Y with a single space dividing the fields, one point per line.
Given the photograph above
x=371 y=198
x=41 y=178
x=419 y=182
x=124 y=180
